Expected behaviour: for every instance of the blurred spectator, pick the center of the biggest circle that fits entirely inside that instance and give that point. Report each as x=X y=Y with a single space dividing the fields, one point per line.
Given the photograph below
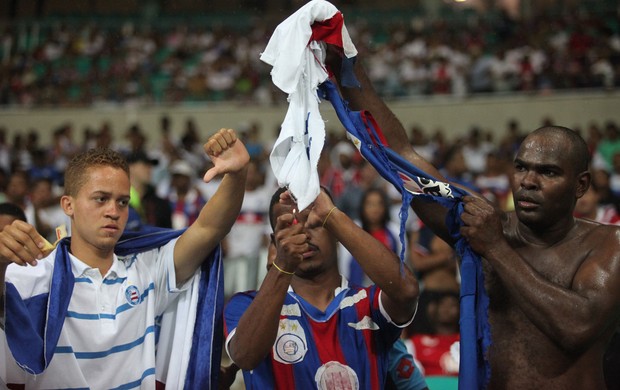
x=455 y=168
x=590 y=206
x=435 y=264
x=146 y=207
x=494 y=182
x=43 y=168
x=350 y=200
x=437 y=350
x=185 y=199
x=475 y=151
x=46 y=210
x=16 y=192
x=374 y=218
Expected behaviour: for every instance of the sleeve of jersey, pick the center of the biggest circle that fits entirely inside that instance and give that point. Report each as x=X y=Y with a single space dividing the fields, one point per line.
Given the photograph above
x=380 y=316
x=404 y=372
x=234 y=309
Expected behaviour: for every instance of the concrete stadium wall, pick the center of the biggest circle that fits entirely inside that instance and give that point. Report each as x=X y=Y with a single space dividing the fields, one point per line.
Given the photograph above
x=454 y=116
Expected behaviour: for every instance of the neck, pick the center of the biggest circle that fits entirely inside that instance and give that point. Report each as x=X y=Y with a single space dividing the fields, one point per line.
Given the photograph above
x=101 y=259
x=318 y=291
x=546 y=235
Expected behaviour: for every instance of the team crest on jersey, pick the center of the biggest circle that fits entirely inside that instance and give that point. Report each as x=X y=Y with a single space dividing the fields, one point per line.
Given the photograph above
x=336 y=376
x=132 y=294
x=291 y=344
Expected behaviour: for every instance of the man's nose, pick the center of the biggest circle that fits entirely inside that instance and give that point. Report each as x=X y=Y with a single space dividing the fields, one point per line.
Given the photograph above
x=530 y=180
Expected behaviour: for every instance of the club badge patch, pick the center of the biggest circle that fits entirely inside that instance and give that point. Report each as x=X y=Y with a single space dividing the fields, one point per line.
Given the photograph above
x=334 y=375
x=132 y=294
x=291 y=345
x=420 y=185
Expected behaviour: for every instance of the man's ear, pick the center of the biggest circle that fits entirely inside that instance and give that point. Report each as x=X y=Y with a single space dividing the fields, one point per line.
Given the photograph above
x=583 y=183
x=66 y=202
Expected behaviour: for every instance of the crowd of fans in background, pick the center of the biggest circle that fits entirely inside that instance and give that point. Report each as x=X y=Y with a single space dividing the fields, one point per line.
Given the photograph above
x=59 y=64
x=85 y=63
x=31 y=177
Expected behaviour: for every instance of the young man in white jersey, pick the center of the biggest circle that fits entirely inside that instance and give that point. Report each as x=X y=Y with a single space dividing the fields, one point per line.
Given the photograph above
x=110 y=328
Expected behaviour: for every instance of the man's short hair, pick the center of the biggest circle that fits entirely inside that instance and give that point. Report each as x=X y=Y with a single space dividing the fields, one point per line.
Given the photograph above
x=77 y=170
x=580 y=156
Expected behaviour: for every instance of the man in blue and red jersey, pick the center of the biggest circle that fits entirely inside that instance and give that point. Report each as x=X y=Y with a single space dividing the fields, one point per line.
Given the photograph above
x=306 y=327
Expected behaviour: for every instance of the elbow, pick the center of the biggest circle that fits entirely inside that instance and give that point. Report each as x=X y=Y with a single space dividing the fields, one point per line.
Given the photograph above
x=409 y=291
x=575 y=338
x=245 y=365
x=243 y=357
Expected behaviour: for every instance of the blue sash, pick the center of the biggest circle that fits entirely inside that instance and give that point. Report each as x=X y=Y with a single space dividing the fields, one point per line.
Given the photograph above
x=364 y=132
x=33 y=330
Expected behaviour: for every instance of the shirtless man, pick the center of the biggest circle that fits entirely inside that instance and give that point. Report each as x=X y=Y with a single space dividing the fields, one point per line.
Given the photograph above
x=553 y=280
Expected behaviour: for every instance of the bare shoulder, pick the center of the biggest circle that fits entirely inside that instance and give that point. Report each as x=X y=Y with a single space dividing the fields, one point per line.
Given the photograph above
x=594 y=233
x=601 y=246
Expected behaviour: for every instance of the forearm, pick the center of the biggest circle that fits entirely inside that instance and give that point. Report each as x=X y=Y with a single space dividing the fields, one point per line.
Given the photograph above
x=400 y=287
x=258 y=327
x=213 y=224
x=222 y=210
x=366 y=98
x=562 y=314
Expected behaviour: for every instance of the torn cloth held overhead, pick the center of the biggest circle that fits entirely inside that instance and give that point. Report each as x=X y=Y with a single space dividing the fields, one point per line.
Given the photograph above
x=297 y=52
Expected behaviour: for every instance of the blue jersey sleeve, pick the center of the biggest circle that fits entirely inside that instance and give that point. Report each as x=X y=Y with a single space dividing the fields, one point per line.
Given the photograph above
x=236 y=306
x=402 y=369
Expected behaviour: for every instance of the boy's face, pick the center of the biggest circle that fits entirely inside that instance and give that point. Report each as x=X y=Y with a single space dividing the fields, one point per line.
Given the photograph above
x=99 y=211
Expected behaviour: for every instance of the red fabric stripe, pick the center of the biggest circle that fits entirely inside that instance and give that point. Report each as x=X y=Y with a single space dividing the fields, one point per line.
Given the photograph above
x=367 y=117
x=160 y=385
x=283 y=375
x=250 y=217
x=329 y=31
x=326 y=340
x=16 y=386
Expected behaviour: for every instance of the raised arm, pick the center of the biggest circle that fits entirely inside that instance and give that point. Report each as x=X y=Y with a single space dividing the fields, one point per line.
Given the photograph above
x=230 y=158
x=258 y=326
x=400 y=287
x=366 y=98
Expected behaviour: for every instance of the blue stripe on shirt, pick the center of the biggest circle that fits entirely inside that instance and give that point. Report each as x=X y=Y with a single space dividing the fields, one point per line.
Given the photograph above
x=102 y=354
x=136 y=383
x=109 y=316
x=114 y=281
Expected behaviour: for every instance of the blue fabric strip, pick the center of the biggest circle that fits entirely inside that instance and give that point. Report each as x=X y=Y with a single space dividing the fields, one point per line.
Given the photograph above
x=474 y=370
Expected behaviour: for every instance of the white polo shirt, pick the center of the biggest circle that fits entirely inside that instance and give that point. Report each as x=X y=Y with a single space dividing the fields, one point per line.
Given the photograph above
x=110 y=333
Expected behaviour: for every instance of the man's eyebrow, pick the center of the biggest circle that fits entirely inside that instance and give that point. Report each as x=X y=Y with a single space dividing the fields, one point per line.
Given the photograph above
x=537 y=165
x=107 y=193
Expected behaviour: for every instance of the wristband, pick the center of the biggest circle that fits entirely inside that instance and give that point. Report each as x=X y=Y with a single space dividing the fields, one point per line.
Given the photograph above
x=328 y=214
x=281 y=270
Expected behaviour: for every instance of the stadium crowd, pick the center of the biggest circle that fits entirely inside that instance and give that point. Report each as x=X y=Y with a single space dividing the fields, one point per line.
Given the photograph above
x=57 y=63
x=89 y=64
